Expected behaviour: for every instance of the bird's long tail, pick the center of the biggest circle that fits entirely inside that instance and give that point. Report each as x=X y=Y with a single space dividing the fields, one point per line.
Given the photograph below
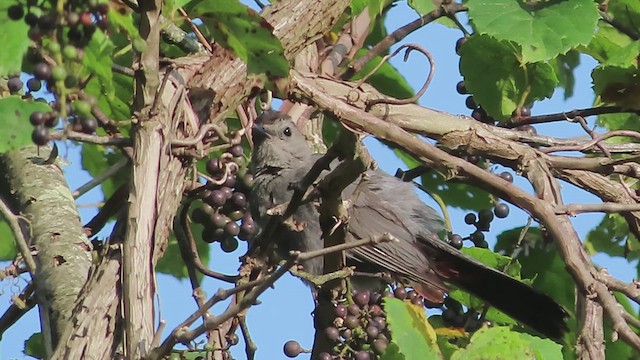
x=515 y=298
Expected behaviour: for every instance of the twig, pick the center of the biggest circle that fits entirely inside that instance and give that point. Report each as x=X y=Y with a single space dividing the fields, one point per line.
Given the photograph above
x=90 y=139
x=632 y=290
x=196 y=31
x=249 y=346
x=614 y=133
x=563 y=116
x=204 y=129
x=112 y=170
x=114 y=204
x=15 y=312
x=400 y=34
x=386 y=237
x=122 y=70
x=414 y=98
x=607 y=207
x=18 y=235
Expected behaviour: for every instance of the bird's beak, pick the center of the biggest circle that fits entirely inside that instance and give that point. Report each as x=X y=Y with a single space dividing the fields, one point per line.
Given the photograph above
x=259 y=133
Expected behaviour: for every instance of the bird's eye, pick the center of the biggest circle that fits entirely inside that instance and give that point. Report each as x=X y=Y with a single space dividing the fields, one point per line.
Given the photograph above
x=287 y=131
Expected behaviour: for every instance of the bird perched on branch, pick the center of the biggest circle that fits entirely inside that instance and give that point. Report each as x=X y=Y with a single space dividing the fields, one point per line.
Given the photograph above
x=384 y=204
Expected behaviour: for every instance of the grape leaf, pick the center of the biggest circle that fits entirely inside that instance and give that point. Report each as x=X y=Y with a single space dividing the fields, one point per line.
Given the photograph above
x=243 y=31
x=613 y=238
x=544 y=29
x=499 y=80
x=500 y=342
x=14 y=40
x=423 y=7
x=605 y=42
x=16 y=129
x=564 y=66
x=618 y=85
x=34 y=346
x=410 y=331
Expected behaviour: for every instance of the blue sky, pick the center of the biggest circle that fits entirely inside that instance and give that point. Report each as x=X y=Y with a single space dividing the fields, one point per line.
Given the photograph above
x=285 y=311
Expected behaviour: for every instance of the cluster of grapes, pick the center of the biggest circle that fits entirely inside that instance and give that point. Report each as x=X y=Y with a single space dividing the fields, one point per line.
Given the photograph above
x=482 y=222
x=57 y=60
x=225 y=201
x=454 y=315
x=359 y=330
x=478 y=113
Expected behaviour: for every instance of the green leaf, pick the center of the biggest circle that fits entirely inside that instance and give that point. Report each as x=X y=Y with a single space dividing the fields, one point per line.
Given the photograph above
x=7 y=242
x=605 y=42
x=544 y=29
x=625 y=12
x=171 y=262
x=454 y=194
x=613 y=238
x=357 y=6
x=34 y=346
x=499 y=80
x=539 y=261
x=16 y=129
x=386 y=79
x=14 y=40
x=500 y=342
x=410 y=331
x=243 y=31
x=423 y=7
x=628 y=121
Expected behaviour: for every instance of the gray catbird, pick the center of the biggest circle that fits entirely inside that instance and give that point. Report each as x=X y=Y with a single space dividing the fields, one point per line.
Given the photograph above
x=385 y=204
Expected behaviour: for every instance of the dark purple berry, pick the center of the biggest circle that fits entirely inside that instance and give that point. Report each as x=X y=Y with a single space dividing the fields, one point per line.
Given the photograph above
x=232 y=228
x=380 y=345
x=228 y=244
x=247 y=229
x=247 y=181
x=362 y=355
x=485 y=216
x=34 y=84
x=346 y=333
x=507 y=176
x=400 y=293
x=340 y=311
x=418 y=301
x=351 y=322
x=103 y=8
x=479 y=114
x=40 y=135
x=362 y=297
x=236 y=150
x=228 y=192
x=198 y=216
x=89 y=125
x=332 y=333
x=324 y=356
x=51 y=120
x=37 y=118
x=219 y=220
x=292 y=348
x=470 y=219
x=353 y=309
x=372 y=331
x=477 y=237
x=470 y=103
x=31 y=19
x=14 y=84
x=375 y=309
x=15 y=12
x=214 y=167
x=42 y=71
x=501 y=210
x=233 y=339
x=239 y=200
x=217 y=198
x=230 y=181
x=411 y=294
x=46 y=22
x=379 y=322
x=456 y=241
x=525 y=111
x=461 y=88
